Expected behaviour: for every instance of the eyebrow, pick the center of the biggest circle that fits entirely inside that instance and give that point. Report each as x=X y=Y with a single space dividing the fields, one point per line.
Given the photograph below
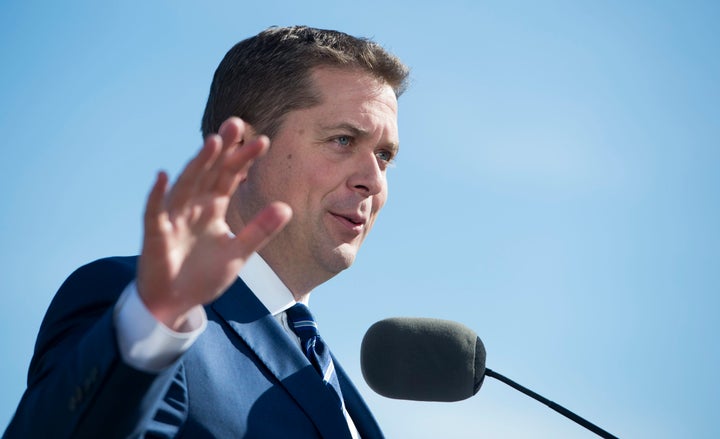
x=358 y=132
x=346 y=126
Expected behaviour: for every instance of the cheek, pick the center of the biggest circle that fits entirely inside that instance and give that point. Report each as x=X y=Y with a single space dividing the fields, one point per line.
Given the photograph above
x=377 y=204
x=282 y=177
x=305 y=190
x=380 y=199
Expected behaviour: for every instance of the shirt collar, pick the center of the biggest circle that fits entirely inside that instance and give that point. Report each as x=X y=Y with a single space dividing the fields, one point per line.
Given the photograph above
x=266 y=285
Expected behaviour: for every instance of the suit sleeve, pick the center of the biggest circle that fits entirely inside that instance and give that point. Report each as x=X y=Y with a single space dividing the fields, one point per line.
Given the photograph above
x=78 y=384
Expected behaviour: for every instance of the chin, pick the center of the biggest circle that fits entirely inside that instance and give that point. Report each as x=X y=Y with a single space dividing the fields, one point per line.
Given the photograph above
x=340 y=258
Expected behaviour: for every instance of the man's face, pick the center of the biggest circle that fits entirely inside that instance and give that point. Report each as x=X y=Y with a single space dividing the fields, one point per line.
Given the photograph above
x=329 y=163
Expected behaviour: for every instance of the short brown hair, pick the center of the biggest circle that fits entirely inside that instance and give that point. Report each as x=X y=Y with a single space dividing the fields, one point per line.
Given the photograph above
x=266 y=76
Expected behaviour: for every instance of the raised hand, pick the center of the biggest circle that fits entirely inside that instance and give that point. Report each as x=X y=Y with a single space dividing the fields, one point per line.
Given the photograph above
x=189 y=257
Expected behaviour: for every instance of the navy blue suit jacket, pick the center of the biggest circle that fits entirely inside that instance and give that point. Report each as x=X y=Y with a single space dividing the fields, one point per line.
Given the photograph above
x=243 y=377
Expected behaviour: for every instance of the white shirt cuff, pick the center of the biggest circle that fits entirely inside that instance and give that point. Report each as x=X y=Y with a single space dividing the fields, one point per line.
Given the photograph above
x=145 y=343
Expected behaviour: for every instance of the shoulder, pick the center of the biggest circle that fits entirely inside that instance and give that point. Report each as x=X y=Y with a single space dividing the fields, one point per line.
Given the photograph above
x=88 y=294
x=104 y=271
x=98 y=282
x=88 y=291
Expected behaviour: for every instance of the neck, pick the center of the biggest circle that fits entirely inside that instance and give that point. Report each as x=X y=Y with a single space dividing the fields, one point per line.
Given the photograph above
x=299 y=280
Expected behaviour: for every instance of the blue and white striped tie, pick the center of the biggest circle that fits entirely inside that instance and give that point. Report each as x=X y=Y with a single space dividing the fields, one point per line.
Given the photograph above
x=305 y=327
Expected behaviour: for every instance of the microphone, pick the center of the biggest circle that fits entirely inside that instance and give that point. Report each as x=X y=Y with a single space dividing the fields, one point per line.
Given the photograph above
x=424 y=359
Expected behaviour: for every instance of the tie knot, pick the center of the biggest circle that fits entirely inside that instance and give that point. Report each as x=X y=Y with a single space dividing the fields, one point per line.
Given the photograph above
x=301 y=321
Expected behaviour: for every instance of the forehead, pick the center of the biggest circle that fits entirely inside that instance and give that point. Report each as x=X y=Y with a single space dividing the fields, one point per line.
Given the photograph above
x=355 y=97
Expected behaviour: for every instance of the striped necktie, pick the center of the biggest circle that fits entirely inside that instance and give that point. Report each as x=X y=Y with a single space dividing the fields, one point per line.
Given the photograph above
x=304 y=326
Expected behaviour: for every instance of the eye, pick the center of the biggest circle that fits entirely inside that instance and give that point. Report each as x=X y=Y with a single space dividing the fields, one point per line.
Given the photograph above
x=343 y=140
x=385 y=156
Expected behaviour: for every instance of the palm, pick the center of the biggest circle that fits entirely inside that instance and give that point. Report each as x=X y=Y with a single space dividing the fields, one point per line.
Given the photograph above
x=189 y=256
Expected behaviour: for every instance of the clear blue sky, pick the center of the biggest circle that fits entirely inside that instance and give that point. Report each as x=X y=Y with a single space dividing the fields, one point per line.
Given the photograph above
x=557 y=189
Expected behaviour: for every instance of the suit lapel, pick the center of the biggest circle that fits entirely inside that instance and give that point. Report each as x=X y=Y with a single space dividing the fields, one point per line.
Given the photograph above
x=360 y=413
x=252 y=322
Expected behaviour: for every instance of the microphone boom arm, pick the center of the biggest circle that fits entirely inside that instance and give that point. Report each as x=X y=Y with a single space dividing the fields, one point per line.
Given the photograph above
x=558 y=408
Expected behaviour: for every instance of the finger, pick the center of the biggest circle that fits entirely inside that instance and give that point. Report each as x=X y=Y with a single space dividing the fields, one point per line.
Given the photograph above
x=231 y=136
x=154 y=208
x=187 y=181
x=261 y=229
x=235 y=166
x=232 y=131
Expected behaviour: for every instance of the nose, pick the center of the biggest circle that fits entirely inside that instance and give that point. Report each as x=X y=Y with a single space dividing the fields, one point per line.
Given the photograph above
x=367 y=177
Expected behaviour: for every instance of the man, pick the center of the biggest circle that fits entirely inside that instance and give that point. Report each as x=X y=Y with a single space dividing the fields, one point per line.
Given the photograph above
x=173 y=343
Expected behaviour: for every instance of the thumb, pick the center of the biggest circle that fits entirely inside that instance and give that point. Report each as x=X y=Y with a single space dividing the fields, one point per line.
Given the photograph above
x=262 y=228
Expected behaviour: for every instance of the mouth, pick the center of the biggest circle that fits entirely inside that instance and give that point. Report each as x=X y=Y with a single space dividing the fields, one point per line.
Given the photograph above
x=352 y=222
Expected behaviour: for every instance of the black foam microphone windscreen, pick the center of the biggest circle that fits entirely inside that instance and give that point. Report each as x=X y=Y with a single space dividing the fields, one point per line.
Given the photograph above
x=422 y=359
